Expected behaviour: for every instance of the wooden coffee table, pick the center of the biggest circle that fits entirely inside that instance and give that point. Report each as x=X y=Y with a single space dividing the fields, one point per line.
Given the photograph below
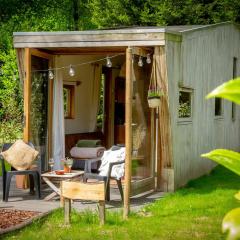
x=53 y=181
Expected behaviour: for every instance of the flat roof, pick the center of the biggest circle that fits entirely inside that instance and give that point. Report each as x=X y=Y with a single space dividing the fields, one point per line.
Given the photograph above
x=120 y=37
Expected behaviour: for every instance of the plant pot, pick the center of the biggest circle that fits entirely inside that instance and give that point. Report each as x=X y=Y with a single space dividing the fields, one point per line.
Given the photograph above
x=154 y=102
x=66 y=169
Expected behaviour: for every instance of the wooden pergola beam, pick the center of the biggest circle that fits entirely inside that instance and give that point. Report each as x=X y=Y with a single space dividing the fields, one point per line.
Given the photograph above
x=128 y=132
x=27 y=94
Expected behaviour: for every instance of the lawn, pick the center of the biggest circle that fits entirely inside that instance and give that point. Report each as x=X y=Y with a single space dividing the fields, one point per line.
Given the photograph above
x=194 y=212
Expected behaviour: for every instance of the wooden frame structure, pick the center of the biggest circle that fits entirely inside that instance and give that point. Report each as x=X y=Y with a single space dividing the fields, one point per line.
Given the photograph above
x=175 y=49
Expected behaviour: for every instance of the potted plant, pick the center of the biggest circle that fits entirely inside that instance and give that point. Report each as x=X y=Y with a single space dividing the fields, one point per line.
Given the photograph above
x=154 y=97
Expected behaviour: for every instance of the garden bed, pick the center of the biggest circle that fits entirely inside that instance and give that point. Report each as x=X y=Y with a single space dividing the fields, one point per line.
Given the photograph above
x=12 y=219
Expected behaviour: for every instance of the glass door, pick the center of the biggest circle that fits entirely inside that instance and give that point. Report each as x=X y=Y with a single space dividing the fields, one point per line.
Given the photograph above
x=142 y=133
x=40 y=106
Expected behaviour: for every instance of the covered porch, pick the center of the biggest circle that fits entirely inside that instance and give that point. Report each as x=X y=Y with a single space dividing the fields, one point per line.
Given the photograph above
x=101 y=100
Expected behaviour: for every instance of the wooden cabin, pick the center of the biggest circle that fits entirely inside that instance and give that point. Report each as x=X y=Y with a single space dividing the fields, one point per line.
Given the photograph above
x=108 y=101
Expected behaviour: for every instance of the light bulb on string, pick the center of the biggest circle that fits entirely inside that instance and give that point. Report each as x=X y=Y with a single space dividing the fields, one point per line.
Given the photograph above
x=109 y=62
x=71 y=71
x=140 y=61
x=50 y=74
x=148 y=59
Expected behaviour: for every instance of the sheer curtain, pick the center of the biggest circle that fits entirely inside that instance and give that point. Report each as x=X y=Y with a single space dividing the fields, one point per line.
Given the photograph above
x=58 y=121
x=159 y=66
x=95 y=94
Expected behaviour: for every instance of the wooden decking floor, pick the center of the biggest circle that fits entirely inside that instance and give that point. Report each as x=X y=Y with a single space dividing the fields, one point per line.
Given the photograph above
x=21 y=199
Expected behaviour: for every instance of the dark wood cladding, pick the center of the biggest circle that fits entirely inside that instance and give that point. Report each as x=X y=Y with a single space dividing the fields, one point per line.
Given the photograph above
x=71 y=139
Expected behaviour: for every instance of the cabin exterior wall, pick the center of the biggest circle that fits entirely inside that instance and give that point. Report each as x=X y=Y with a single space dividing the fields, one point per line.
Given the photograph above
x=201 y=62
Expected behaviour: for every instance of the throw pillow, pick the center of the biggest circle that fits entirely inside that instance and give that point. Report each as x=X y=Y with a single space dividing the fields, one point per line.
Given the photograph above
x=20 y=155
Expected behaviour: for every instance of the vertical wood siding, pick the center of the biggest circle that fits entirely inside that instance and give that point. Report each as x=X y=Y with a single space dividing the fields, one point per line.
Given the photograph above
x=202 y=61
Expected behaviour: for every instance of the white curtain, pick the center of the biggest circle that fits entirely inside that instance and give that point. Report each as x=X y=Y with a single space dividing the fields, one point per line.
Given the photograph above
x=95 y=94
x=58 y=121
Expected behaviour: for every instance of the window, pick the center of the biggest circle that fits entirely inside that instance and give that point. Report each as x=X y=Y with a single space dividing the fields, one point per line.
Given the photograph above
x=218 y=107
x=68 y=100
x=234 y=76
x=185 y=104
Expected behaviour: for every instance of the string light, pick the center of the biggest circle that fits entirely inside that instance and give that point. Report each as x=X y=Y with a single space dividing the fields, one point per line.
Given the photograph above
x=71 y=71
x=50 y=74
x=140 y=61
x=81 y=64
x=109 y=62
x=148 y=59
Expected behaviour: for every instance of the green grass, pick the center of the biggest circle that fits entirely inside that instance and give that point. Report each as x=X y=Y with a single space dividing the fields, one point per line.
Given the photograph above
x=7 y=166
x=194 y=212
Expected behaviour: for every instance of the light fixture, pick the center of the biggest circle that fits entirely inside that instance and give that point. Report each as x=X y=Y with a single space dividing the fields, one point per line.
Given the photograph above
x=50 y=74
x=71 y=71
x=148 y=59
x=140 y=61
x=109 y=63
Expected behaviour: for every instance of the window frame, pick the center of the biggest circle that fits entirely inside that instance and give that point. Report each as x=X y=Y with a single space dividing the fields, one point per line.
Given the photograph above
x=71 y=101
x=233 y=112
x=185 y=120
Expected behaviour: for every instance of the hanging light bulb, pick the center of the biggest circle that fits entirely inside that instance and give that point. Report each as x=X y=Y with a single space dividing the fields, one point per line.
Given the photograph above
x=50 y=74
x=109 y=63
x=71 y=71
x=140 y=61
x=148 y=59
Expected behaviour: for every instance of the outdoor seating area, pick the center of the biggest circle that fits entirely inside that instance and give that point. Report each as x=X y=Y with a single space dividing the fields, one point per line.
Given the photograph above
x=111 y=168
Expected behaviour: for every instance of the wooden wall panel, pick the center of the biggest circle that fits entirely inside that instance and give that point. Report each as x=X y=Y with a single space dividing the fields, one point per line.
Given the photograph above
x=202 y=61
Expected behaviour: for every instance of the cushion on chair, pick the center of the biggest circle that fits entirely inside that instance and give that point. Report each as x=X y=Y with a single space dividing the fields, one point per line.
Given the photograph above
x=20 y=155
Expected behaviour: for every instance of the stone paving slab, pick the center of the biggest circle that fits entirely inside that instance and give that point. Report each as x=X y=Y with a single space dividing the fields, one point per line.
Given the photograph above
x=22 y=200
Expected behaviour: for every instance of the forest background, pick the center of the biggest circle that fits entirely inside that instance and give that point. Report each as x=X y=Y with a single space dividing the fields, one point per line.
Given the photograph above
x=69 y=15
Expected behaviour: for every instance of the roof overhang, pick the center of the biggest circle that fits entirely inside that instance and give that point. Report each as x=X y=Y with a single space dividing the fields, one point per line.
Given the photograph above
x=89 y=39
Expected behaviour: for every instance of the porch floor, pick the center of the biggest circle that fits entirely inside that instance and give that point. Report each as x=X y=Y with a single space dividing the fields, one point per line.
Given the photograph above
x=21 y=199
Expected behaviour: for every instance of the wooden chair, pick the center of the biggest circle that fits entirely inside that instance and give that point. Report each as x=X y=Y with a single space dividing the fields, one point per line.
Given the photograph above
x=82 y=191
x=107 y=179
x=7 y=175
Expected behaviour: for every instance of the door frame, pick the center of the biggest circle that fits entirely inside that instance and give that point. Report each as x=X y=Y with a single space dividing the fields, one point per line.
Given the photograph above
x=29 y=52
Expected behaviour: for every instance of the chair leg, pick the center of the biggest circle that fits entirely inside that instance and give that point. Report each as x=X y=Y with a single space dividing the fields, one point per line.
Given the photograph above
x=7 y=189
x=37 y=184
x=31 y=183
x=119 y=183
x=107 y=190
x=3 y=186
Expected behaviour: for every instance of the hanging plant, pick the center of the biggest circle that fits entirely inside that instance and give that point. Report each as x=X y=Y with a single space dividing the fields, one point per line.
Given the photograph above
x=154 y=91
x=154 y=97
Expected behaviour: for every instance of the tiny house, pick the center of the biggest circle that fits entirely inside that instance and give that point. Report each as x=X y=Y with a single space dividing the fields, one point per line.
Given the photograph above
x=95 y=85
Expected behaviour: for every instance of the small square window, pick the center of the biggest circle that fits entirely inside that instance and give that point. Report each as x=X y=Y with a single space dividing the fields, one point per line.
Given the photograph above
x=68 y=101
x=218 y=107
x=185 y=104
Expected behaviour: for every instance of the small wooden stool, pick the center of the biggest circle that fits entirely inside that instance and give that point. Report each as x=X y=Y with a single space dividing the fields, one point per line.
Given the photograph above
x=83 y=191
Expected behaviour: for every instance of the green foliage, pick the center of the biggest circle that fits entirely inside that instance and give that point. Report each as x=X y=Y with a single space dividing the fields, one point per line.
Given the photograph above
x=184 y=110
x=227 y=158
x=229 y=90
x=10 y=99
x=231 y=224
x=112 y=13
x=153 y=94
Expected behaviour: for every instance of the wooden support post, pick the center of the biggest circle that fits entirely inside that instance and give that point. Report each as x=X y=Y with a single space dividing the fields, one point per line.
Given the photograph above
x=101 y=209
x=67 y=210
x=128 y=133
x=27 y=94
